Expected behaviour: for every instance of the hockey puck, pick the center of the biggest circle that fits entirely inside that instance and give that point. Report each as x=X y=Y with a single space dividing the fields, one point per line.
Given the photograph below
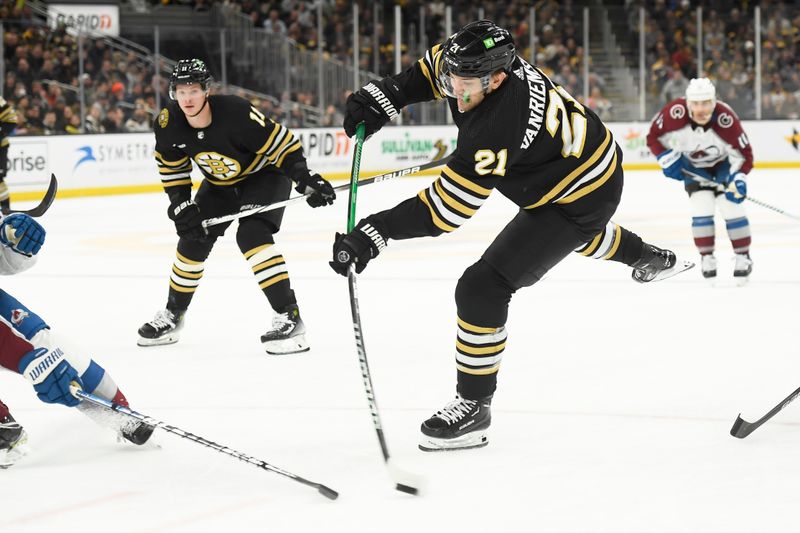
x=407 y=489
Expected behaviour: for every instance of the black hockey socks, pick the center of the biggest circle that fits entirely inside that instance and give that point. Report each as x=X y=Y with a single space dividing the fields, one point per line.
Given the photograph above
x=614 y=243
x=482 y=297
x=267 y=264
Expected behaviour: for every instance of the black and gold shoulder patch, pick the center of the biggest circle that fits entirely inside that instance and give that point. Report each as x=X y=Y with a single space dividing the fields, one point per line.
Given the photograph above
x=163 y=118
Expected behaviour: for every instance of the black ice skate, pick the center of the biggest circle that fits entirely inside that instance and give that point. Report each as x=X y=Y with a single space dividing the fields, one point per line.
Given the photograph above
x=460 y=425
x=288 y=333
x=163 y=329
x=657 y=264
x=138 y=433
x=13 y=442
x=742 y=268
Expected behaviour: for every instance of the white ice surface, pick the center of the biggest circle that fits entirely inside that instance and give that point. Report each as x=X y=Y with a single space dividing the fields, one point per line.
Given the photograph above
x=612 y=415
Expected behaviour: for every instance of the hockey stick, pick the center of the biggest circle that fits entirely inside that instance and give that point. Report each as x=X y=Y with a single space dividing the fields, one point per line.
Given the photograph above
x=742 y=428
x=78 y=393
x=367 y=181
x=721 y=188
x=404 y=481
x=46 y=202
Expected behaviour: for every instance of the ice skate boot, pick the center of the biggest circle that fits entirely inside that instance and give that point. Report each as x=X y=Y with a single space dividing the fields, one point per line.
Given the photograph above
x=13 y=442
x=708 y=265
x=163 y=329
x=742 y=268
x=460 y=425
x=657 y=264
x=288 y=333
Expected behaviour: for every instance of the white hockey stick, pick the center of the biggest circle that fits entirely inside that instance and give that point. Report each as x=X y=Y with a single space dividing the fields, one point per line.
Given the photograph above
x=410 y=171
x=732 y=189
x=115 y=407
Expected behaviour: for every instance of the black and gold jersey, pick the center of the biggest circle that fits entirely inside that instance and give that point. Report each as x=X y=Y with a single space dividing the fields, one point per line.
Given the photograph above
x=8 y=121
x=239 y=142
x=529 y=139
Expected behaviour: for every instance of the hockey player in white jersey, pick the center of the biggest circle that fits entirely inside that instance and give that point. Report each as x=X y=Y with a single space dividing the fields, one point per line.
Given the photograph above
x=699 y=140
x=28 y=347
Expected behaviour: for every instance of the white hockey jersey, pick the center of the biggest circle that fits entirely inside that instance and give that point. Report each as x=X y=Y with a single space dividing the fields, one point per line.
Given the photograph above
x=704 y=146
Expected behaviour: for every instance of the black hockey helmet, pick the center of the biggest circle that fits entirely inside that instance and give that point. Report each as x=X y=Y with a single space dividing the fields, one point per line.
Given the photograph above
x=476 y=51
x=189 y=71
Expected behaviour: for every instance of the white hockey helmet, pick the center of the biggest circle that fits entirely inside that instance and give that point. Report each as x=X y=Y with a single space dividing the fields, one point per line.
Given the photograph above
x=701 y=89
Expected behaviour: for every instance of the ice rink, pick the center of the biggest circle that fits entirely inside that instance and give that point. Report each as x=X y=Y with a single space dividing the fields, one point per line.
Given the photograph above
x=612 y=414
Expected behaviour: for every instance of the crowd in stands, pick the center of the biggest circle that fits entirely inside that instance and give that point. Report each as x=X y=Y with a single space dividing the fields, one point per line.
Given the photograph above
x=728 y=52
x=42 y=77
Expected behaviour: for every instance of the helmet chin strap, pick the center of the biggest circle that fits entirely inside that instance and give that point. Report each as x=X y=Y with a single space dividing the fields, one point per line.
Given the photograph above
x=205 y=101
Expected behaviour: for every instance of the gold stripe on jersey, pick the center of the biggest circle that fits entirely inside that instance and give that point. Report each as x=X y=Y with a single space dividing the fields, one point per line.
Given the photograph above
x=267 y=144
x=179 y=163
x=272 y=153
x=479 y=350
x=428 y=65
x=9 y=116
x=581 y=174
x=293 y=147
x=585 y=186
x=5 y=142
x=604 y=245
x=452 y=199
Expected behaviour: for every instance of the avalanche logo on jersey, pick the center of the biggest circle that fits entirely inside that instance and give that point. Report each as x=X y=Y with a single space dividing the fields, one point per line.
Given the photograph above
x=710 y=154
x=18 y=315
x=677 y=111
x=219 y=166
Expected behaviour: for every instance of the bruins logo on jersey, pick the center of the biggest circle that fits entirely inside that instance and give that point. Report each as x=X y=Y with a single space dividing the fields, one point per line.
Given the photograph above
x=163 y=118
x=217 y=165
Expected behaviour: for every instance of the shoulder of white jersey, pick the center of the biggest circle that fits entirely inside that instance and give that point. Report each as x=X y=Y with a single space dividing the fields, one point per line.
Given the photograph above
x=724 y=115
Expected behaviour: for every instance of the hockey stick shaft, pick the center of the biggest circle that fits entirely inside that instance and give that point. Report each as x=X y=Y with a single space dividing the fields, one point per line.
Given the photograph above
x=742 y=428
x=356 y=315
x=78 y=393
x=44 y=204
x=410 y=171
x=721 y=188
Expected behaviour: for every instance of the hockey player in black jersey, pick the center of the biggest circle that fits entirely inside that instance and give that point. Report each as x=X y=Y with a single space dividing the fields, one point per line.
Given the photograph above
x=8 y=121
x=528 y=138
x=247 y=160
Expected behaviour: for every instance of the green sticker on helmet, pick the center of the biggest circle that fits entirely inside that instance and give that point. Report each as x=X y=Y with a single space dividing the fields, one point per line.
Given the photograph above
x=488 y=42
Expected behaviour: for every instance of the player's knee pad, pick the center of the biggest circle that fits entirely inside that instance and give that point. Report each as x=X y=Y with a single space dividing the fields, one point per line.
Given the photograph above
x=702 y=203
x=253 y=232
x=482 y=295
x=730 y=210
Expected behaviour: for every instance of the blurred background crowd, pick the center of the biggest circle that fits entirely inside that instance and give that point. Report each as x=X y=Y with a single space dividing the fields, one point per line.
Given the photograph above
x=122 y=91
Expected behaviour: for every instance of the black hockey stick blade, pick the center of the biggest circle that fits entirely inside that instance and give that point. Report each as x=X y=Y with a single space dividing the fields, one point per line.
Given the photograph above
x=328 y=492
x=742 y=428
x=46 y=202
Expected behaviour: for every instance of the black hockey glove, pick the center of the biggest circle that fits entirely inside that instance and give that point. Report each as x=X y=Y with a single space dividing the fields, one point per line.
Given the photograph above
x=375 y=104
x=365 y=242
x=319 y=188
x=188 y=220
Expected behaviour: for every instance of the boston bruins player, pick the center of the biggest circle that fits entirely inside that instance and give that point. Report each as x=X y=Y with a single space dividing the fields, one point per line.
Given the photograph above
x=247 y=160
x=8 y=121
x=528 y=138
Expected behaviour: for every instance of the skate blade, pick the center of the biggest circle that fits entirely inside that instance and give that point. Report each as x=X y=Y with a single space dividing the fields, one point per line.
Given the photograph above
x=168 y=339
x=296 y=344
x=741 y=281
x=475 y=439
x=680 y=266
x=13 y=455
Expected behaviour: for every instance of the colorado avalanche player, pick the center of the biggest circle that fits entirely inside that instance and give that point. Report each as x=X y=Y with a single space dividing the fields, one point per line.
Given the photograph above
x=28 y=347
x=701 y=136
